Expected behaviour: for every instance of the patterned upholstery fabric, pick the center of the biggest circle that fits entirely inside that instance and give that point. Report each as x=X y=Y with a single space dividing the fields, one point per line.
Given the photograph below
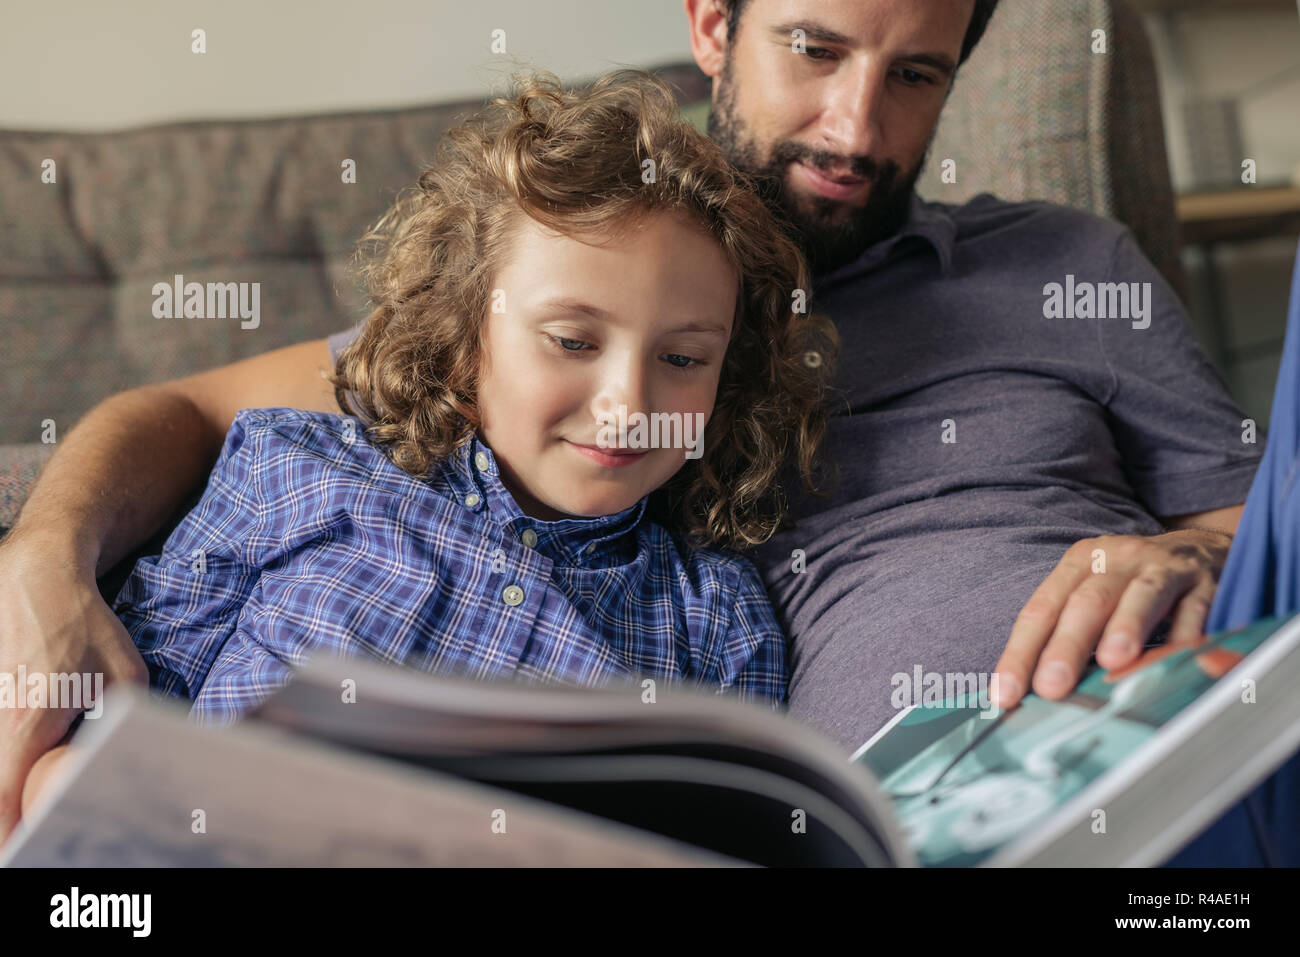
x=1034 y=115
x=242 y=201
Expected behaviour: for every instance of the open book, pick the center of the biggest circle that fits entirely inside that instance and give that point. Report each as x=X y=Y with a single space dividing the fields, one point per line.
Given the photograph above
x=354 y=763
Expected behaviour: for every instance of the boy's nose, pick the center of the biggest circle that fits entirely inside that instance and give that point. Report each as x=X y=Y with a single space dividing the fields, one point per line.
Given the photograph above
x=622 y=393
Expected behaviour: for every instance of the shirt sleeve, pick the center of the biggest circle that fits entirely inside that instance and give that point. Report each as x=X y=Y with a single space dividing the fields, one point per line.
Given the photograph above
x=755 y=646
x=182 y=605
x=1183 y=442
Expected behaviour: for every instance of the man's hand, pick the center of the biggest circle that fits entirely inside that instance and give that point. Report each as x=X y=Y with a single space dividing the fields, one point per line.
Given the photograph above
x=52 y=620
x=43 y=773
x=1080 y=607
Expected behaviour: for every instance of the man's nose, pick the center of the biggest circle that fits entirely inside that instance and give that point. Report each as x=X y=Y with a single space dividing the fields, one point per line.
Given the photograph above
x=852 y=119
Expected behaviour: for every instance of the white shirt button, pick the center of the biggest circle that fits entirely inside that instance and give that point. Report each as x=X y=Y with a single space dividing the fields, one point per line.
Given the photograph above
x=471 y=499
x=529 y=538
x=513 y=594
x=481 y=460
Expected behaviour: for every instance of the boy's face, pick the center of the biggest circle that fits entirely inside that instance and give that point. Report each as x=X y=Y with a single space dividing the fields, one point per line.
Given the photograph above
x=640 y=322
x=857 y=103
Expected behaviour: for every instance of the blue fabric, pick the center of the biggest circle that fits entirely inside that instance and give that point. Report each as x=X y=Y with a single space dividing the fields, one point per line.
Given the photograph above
x=1262 y=579
x=309 y=539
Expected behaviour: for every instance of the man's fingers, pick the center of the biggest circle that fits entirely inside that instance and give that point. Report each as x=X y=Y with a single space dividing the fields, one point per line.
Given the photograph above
x=47 y=767
x=1191 y=614
x=20 y=747
x=1145 y=602
x=53 y=621
x=12 y=780
x=126 y=666
x=115 y=653
x=1033 y=627
x=1075 y=612
x=1071 y=644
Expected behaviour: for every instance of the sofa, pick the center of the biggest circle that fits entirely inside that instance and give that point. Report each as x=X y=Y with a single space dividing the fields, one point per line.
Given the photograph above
x=1035 y=114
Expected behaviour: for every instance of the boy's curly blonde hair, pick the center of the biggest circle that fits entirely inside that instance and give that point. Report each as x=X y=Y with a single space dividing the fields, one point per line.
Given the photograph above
x=573 y=162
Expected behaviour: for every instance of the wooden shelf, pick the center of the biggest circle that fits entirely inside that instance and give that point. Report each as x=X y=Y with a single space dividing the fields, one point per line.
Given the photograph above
x=1206 y=6
x=1252 y=212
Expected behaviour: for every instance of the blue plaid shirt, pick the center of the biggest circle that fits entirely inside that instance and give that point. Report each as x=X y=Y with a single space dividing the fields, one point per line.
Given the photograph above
x=308 y=538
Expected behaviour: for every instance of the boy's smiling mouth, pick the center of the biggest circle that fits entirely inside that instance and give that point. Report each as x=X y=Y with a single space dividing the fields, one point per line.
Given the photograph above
x=609 y=458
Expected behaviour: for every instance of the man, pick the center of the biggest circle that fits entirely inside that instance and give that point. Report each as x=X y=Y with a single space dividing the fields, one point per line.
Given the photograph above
x=982 y=438
x=983 y=434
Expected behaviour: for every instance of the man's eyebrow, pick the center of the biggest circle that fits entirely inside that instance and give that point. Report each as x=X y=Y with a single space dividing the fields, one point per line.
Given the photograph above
x=823 y=34
x=569 y=304
x=812 y=31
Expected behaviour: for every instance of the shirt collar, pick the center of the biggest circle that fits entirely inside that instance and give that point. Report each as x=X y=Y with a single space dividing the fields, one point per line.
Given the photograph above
x=929 y=222
x=474 y=480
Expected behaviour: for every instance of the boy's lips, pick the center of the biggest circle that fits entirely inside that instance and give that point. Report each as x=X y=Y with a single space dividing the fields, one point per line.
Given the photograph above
x=609 y=458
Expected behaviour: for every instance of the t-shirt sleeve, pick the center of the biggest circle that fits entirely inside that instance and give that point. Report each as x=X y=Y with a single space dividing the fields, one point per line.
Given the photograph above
x=341 y=339
x=1183 y=441
x=337 y=343
x=182 y=605
x=755 y=647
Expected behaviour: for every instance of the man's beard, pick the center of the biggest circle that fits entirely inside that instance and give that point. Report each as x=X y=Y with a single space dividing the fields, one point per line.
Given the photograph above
x=830 y=233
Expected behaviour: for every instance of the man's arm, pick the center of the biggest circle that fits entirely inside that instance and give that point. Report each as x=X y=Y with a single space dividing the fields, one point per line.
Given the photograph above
x=112 y=482
x=1180 y=439
x=180 y=613
x=182 y=605
x=1223 y=520
x=130 y=462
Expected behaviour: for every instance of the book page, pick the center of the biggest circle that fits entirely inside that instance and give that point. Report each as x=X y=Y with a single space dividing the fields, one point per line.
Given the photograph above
x=147 y=787
x=966 y=783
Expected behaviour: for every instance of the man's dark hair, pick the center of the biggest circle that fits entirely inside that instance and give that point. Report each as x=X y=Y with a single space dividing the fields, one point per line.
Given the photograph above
x=979 y=20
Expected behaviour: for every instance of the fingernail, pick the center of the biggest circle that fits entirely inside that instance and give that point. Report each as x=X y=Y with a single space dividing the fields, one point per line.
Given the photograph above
x=1123 y=644
x=1054 y=675
x=1006 y=689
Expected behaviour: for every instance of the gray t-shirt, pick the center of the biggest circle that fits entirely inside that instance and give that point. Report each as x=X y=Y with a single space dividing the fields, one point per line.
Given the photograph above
x=977 y=439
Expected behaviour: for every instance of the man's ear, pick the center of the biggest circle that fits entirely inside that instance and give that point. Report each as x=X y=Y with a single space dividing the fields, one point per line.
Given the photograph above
x=707 y=22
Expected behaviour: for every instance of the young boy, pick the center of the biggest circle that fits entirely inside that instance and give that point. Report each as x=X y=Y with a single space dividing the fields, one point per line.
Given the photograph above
x=497 y=507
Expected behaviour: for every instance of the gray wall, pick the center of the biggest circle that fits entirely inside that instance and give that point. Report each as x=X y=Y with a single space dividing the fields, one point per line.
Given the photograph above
x=104 y=64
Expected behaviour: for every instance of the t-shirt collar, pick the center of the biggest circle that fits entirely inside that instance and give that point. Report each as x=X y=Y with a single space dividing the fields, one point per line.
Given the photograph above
x=926 y=221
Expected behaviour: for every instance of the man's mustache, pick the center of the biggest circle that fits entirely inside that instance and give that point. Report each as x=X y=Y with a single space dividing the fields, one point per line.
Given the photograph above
x=863 y=167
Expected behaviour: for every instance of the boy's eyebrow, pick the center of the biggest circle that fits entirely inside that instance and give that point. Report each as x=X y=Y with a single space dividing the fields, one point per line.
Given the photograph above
x=569 y=304
x=822 y=34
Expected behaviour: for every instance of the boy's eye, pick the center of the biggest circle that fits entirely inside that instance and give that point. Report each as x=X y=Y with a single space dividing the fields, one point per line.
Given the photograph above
x=674 y=359
x=568 y=345
x=817 y=53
